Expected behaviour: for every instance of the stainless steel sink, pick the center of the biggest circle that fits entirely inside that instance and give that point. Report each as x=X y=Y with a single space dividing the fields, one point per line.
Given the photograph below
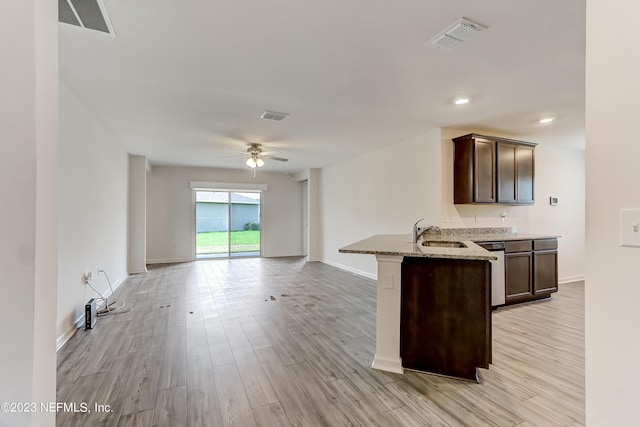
x=443 y=244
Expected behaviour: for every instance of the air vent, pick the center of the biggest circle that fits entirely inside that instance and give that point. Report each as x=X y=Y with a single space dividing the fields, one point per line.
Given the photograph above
x=456 y=34
x=90 y=14
x=273 y=115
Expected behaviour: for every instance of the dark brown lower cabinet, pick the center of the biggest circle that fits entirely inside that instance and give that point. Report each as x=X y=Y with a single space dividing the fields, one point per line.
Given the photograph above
x=545 y=261
x=517 y=278
x=445 y=320
x=531 y=269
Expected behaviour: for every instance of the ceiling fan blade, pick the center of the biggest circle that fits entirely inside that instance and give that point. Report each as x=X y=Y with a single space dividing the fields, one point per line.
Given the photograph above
x=278 y=159
x=268 y=153
x=233 y=155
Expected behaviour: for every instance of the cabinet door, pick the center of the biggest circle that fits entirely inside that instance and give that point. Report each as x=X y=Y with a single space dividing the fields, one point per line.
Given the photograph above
x=484 y=171
x=525 y=170
x=545 y=274
x=518 y=269
x=506 y=158
x=445 y=315
x=463 y=186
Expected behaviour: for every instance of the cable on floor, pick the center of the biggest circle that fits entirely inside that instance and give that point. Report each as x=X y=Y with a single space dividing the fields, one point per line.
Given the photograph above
x=108 y=309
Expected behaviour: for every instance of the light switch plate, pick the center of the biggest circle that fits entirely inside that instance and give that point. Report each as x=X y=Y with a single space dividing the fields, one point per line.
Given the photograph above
x=630 y=227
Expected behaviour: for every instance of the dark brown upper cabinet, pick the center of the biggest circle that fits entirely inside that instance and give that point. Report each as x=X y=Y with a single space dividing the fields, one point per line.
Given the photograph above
x=488 y=169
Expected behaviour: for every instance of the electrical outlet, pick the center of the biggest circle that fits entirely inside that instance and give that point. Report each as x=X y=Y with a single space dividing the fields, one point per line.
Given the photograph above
x=88 y=277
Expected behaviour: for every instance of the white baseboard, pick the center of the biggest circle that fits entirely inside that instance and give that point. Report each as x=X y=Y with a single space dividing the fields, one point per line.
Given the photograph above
x=570 y=279
x=108 y=293
x=388 y=365
x=62 y=339
x=79 y=322
x=282 y=255
x=168 y=260
x=350 y=269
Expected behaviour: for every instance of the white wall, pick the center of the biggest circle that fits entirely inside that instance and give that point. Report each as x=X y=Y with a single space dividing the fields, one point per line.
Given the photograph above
x=314 y=235
x=612 y=287
x=560 y=172
x=137 y=215
x=381 y=192
x=92 y=227
x=171 y=211
x=28 y=256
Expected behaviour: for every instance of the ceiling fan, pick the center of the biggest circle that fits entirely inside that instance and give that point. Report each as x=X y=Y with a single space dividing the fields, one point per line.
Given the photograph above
x=256 y=157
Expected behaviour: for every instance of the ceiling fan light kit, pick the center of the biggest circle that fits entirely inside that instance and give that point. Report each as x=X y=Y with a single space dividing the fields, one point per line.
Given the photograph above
x=255 y=157
x=254 y=162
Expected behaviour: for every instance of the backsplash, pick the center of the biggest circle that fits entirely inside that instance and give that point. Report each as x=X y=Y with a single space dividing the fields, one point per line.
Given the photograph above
x=478 y=230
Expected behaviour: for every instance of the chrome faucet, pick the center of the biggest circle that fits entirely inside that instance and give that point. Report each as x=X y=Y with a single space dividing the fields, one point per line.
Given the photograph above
x=416 y=235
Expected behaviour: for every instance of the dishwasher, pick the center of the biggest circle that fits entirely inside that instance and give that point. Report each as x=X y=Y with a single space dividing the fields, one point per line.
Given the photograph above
x=497 y=272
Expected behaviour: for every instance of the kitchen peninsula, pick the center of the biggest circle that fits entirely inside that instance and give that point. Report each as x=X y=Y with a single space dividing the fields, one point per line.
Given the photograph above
x=434 y=300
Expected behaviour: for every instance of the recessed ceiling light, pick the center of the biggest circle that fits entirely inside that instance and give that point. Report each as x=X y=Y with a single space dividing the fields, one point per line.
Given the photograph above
x=461 y=101
x=546 y=120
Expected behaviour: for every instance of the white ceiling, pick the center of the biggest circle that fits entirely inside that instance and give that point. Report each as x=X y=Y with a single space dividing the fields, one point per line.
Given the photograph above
x=184 y=82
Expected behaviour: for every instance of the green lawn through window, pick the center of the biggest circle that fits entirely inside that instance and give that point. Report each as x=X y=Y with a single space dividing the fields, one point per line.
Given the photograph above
x=216 y=241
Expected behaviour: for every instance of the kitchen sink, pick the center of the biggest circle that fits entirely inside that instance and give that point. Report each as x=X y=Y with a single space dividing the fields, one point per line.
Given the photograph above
x=443 y=244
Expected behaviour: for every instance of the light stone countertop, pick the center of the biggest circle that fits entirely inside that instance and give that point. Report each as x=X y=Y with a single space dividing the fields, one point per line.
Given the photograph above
x=401 y=245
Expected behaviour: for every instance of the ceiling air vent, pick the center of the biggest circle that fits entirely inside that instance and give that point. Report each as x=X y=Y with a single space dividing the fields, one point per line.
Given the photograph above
x=89 y=14
x=456 y=34
x=273 y=115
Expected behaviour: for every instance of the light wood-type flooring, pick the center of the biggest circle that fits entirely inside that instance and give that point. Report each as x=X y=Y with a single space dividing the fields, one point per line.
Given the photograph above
x=280 y=342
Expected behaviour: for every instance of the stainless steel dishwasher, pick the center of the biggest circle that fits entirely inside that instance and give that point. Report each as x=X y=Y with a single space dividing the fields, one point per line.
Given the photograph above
x=497 y=272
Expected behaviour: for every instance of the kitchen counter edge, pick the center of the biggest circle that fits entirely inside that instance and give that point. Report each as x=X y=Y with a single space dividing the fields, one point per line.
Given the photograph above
x=401 y=245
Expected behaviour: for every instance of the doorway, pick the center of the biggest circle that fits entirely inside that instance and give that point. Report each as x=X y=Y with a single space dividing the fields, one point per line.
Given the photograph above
x=227 y=224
